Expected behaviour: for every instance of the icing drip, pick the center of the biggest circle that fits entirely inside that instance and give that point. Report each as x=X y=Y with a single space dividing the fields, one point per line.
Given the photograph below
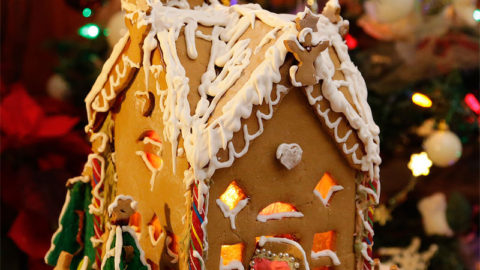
x=267 y=38
x=104 y=139
x=203 y=133
x=232 y=265
x=293 y=214
x=170 y=252
x=231 y=213
x=326 y=253
x=329 y=194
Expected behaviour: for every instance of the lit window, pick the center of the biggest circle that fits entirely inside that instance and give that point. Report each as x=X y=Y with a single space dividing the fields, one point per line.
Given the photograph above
x=325 y=188
x=323 y=241
x=230 y=253
x=278 y=210
x=155 y=230
x=324 y=245
x=135 y=222
x=232 y=195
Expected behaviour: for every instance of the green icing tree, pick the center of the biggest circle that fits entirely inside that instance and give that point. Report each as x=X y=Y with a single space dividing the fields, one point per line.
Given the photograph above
x=75 y=227
x=131 y=258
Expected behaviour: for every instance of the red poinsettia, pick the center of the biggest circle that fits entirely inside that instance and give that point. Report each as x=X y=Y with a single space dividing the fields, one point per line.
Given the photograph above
x=40 y=150
x=24 y=122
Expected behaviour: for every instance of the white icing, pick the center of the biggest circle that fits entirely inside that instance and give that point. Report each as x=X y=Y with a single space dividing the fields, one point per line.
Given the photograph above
x=98 y=211
x=151 y=233
x=129 y=230
x=326 y=253
x=329 y=194
x=264 y=240
x=116 y=251
x=292 y=72
x=133 y=203
x=204 y=135
x=84 y=263
x=170 y=252
x=103 y=77
x=366 y=225
x=267 y=38
x=365 y=253
x=154 y=171
x=232 y=265
x=118 y=246
x=197 y=255
x=204 y=139
x=81 y=178
x=292 y=214
x=232 y=213
x=104 y=139
x=60 y=226
x=289 y=155
x=369 y=191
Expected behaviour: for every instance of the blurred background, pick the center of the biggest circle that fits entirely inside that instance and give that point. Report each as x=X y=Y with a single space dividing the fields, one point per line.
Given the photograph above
x=420 y=59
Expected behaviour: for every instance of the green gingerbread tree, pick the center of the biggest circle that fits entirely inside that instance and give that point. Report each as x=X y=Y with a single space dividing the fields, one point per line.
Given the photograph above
x=123 y=238
x=71 y=244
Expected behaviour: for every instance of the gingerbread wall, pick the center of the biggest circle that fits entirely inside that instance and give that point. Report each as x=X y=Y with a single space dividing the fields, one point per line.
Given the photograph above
x=265 y=181
x=167 y=199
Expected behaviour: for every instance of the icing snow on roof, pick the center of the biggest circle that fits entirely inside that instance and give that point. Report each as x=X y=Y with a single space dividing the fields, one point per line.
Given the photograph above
x=206 y=131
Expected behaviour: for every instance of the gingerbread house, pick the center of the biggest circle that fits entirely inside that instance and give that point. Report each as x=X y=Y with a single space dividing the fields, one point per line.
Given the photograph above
x=225 y=137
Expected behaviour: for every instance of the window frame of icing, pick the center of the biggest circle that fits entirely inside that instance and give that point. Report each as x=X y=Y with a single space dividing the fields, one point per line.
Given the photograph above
x=230 y=210
x=232 y=263
x=333 y=186
x=154 y=227
x=324 y=244
x=277 y=214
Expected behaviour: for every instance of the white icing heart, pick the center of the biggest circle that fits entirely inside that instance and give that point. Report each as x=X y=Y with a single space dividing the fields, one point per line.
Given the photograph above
x=289 y=155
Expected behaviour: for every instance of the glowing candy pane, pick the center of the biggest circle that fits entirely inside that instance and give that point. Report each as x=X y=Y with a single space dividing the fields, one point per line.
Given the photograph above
x=157 y=227
x=277 y=207
x=232 y=195
x=324 y=241
x=152 y=135
x=155 y=160
x=231 y=253
x=135 y=221
x=325 y=184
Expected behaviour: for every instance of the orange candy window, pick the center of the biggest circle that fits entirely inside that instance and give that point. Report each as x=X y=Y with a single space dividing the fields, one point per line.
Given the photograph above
x=231 y=253
x=277 y=207
x=324 y=241
x=232 y=195
x=135 y=222
x=155 y=161
x=325 y=186
x=156 y=226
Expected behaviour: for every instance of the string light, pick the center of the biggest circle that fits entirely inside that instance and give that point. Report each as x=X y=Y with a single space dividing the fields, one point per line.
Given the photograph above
x=421 y=100
x=472 y=103
x=476 y=15
x=352 y=42
x=89 y=31
x=87 y=12
x=420 y=164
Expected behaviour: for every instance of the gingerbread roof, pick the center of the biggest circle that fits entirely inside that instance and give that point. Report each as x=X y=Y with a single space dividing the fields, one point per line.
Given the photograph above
x=251 y=77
